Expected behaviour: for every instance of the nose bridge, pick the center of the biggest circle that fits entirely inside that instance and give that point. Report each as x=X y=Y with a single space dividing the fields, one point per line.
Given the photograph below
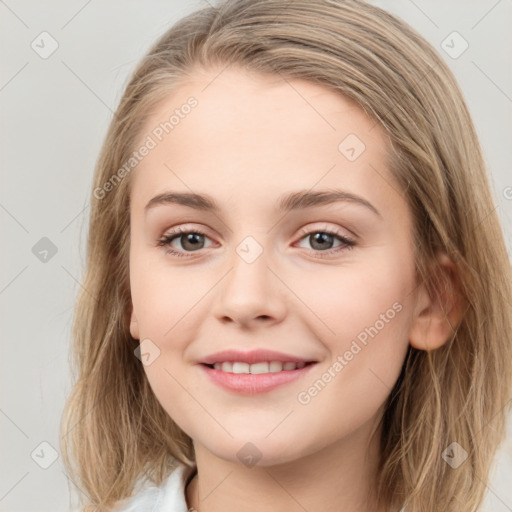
x=250 y=289
x=250 y=265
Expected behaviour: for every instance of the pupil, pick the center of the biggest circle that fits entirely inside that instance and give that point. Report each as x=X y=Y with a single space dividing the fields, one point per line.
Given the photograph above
x=191 y=238
x=325 y=237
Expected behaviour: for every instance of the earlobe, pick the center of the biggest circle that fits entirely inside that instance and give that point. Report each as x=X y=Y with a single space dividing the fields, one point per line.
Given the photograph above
x=438 y=313
x=134 y=326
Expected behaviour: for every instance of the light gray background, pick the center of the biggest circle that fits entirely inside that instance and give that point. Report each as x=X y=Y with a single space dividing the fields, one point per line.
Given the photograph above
x=55 y=113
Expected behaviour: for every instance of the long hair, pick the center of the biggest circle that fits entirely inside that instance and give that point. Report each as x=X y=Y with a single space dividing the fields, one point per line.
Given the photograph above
x=115 y=432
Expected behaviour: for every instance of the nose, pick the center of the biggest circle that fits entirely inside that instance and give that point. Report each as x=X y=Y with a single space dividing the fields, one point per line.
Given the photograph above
x=251 y=294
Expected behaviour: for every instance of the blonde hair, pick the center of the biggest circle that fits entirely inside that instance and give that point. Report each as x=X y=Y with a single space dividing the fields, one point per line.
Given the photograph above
x=115 y=431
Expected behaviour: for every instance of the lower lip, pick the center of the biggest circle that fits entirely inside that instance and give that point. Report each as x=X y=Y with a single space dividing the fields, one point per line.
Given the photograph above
x=252 y=384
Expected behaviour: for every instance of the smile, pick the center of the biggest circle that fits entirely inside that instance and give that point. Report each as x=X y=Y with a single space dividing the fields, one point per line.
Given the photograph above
x=257 y=368
x=256 y=378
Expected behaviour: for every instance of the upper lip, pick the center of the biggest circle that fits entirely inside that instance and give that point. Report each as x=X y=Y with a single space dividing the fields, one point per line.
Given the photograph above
x=252 y=356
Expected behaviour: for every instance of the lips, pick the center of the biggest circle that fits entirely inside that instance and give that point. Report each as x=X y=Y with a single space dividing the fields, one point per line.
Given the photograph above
x=256 y=371
x=252 y=384
x=252 y=357
x=256 y=368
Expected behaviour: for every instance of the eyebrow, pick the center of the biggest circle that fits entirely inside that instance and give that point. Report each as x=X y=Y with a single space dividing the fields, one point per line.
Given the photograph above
x=299 y=200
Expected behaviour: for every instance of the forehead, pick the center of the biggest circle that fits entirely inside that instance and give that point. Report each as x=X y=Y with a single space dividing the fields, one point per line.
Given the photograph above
x=259 y=134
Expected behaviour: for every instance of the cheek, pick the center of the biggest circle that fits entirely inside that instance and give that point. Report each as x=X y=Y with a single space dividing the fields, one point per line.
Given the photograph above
x=163 y=299
x=366 y=317
x=370 y=322
x=162 y=294
x=351 y=299
x=175 y=394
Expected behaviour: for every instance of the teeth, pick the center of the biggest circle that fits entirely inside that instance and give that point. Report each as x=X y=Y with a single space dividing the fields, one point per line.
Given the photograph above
x=276 y=366
x=241 y=368
x=257 y=368
x=227 y=367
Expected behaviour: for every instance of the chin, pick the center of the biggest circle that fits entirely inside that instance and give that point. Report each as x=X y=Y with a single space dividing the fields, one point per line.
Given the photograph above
x=249 y=450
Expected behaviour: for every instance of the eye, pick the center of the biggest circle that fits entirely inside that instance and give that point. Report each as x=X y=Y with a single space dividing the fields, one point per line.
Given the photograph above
x=190 y=241
x=321 y=241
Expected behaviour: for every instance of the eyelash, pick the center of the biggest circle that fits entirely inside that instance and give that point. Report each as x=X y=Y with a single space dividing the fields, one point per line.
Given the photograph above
x=166 y=240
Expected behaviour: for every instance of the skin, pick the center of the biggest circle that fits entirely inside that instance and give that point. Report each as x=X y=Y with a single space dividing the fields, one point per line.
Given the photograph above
x=251 y=139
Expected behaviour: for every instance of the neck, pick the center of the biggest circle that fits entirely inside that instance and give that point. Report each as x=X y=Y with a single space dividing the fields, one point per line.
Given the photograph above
x=337 y=477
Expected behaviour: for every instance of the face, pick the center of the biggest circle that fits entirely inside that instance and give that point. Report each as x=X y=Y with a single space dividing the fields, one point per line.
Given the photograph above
x=327 y=283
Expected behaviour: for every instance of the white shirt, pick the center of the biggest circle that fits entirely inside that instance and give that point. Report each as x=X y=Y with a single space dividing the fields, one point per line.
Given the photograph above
x=170 y=496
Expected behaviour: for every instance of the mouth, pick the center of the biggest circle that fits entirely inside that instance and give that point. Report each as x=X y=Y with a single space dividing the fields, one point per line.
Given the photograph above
x=255 y=371
x=252 y=379
x=264 y=367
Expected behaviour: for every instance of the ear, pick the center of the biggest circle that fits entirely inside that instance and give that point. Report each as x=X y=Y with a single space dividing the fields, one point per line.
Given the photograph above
x=437 y=314
x=134 y=326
